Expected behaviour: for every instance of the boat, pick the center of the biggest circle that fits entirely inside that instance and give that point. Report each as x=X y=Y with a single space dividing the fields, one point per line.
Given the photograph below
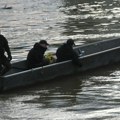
x=7 y=7
x=96 y=54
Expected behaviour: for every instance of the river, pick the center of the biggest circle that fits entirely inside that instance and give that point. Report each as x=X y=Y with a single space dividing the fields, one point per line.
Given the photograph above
x=93 y=95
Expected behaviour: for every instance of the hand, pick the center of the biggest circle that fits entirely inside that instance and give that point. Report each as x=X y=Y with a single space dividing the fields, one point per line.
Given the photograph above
x=9 y=57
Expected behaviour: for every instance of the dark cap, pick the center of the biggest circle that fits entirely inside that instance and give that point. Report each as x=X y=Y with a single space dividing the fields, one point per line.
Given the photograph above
x=43 y=42
x=70 y=42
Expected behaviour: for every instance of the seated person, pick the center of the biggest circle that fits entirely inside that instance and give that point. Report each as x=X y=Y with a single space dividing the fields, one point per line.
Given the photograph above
x=66 y=52
x=35 y=57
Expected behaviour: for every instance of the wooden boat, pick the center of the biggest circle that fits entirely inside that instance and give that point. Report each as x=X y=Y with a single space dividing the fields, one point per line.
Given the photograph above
x=95 y=55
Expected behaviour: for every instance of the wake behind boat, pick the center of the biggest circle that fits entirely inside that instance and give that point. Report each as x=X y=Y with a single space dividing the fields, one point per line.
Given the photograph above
x=95 y=55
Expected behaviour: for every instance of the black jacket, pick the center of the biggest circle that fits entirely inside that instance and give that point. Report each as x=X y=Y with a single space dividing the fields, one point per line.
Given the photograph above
x=35 y=56
x=4 y=47
x=66 y=52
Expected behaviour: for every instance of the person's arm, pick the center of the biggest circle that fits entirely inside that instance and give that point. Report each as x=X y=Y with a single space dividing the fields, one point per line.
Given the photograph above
x=75 y=58
x=7 y=49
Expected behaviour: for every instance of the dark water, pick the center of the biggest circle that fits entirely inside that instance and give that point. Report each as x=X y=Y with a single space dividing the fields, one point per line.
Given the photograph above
x=93 y=95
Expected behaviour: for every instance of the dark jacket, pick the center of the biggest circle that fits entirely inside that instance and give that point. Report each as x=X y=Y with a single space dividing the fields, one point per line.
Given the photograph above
x=36 y=56
x=66 y=52
x=4 y=48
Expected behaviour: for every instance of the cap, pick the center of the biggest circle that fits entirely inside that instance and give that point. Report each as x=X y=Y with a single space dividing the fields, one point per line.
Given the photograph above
x=43 y=42
x=70 y=42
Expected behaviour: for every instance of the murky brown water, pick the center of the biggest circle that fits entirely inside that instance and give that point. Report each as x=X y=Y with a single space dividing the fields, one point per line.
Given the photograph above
x=93 y=95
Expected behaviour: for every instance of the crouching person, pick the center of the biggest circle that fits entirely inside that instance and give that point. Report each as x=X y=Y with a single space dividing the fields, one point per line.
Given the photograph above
x=35 y=57
x=66 y=52
x=5 y=64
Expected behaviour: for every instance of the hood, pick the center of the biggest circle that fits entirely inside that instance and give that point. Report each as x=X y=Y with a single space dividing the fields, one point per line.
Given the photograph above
x=36 y=45
x=39 y=48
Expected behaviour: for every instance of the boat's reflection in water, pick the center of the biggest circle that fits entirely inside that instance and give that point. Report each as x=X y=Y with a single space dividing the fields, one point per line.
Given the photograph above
x=59 y=92
x=72 y=90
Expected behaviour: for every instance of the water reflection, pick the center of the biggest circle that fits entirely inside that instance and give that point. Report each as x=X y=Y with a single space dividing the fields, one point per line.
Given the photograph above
x=59 y=94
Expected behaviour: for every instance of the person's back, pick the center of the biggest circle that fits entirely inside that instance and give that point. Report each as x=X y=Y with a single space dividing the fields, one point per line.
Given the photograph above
x=3 y=45
x=35 y=57
x=66 y=52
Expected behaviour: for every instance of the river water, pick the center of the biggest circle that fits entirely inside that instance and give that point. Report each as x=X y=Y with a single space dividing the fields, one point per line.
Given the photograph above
x=93 y=95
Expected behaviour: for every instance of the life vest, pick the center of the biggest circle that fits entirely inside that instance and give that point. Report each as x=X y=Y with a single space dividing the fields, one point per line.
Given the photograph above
x=50 y=57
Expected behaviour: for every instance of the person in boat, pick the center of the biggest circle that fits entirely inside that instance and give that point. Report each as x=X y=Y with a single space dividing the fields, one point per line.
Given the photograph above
x=5 y=64
x=66 y=52
x=35 y=57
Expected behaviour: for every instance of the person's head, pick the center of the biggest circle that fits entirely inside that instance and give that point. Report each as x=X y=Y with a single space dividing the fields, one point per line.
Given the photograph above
x=70 y=42
x=43 y=43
